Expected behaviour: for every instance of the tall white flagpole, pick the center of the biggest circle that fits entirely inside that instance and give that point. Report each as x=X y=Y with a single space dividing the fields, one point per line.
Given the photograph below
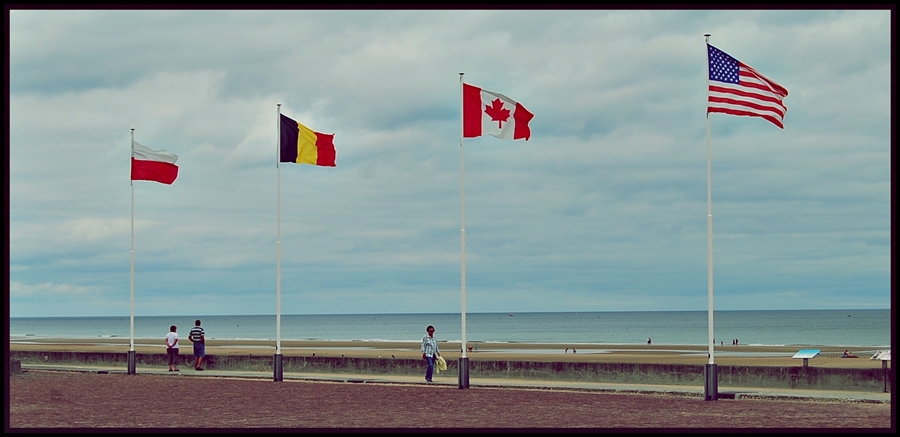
x=711 y=387
x=463 y=361
x=279 y=369
x=131 y=357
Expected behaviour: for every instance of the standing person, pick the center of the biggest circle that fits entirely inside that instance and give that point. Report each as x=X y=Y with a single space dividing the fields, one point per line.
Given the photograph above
x=198 y=337
x=172 y=348
x=429 y=351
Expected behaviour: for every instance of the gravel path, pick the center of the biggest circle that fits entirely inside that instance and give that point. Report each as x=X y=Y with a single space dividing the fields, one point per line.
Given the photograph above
x=51 y=399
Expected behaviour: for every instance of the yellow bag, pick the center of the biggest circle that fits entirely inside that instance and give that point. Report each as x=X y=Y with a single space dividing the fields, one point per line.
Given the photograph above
x=440 y=364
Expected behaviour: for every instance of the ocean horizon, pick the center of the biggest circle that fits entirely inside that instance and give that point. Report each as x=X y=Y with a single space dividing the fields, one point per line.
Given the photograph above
x=843 y=328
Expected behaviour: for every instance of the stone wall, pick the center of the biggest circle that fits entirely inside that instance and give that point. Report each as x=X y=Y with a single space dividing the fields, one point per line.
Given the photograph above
x=794 y=377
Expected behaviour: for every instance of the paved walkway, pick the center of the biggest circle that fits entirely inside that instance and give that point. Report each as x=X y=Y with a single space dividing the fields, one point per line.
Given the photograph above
x=453 y=381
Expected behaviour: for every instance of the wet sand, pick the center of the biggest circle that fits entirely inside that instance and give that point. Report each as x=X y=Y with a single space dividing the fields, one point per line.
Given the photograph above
x=741 y=355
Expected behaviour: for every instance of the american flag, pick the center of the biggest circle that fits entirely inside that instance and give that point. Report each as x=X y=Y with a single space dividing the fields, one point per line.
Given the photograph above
x=736 y=88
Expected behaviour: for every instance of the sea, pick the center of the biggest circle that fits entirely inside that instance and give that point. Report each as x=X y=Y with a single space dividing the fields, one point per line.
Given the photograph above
x=870 y=328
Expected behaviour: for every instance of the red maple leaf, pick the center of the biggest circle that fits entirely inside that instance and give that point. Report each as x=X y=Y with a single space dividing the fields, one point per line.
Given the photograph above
x=497 y=112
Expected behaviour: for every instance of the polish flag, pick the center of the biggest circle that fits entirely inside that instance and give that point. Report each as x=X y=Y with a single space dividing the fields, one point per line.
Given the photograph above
x=153 y=165
x=490 y=113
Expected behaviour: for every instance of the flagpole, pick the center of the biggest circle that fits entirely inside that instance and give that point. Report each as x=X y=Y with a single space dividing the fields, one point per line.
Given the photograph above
x=131 y=357
x=279 y=358
x=463 y=360
x=711 y=386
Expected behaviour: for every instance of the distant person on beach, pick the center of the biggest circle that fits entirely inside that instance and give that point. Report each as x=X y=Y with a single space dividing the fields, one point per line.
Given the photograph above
x=429 y=351
x=848 y=354
x=198 y=337
x=172 y=348
x=648 y=340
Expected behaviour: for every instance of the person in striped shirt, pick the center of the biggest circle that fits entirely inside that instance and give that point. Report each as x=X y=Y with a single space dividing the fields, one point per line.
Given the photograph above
x=198 y=337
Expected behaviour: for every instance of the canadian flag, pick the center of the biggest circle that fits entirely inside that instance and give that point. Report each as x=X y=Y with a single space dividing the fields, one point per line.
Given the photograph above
x=490 y=113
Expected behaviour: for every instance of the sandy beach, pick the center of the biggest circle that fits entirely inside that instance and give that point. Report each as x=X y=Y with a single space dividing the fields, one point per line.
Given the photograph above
x=740 y=355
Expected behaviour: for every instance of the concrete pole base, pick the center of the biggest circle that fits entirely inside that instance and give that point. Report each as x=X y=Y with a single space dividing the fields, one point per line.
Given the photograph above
x=131 y=363
x=463 y=373
x=711 y=388
x=279 y=368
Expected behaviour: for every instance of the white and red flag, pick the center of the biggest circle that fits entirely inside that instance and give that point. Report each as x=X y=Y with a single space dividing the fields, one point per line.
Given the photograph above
x=489 y=113
x=152 y=165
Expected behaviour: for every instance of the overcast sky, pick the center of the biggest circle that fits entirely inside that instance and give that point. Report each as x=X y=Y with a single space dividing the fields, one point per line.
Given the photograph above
x=603 y=209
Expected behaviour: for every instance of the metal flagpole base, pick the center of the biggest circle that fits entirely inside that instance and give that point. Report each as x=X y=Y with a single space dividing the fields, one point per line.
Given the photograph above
x=279 y=367
x=711 y=388
x=463 y=373
x=131 y=363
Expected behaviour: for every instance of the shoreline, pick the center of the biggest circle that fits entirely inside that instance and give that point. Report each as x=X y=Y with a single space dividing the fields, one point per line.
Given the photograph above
x=741 y=355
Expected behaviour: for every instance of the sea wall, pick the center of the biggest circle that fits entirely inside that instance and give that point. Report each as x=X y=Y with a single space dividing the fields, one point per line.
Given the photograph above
x=794 y=377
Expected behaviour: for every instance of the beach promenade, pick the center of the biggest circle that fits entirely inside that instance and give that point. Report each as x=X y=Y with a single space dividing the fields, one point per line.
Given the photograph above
x=237 y=390
x=55 y=396
x=745 y=370
x=740 y=367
